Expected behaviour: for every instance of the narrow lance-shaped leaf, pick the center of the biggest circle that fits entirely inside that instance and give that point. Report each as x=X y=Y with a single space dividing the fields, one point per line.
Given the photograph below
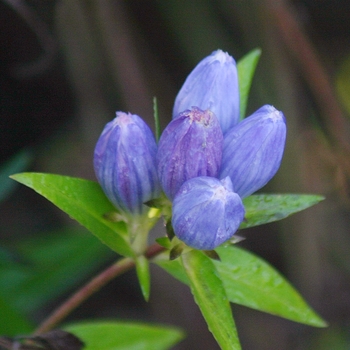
x=107 y=335
x=263 y=208
x=246 y=67
x=84 y=201
x=143 y=275
x=211 y=298
x=250 y=281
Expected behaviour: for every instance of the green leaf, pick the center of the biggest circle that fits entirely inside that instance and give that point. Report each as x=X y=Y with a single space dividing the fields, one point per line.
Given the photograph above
x=264 y=208
x=246 y=68
x=252 y=282
x=210 y=296
x=84 y=201
x=173 y=267
x=12 y=322
x=143 y=275
x=17 y=163
x=114 y=335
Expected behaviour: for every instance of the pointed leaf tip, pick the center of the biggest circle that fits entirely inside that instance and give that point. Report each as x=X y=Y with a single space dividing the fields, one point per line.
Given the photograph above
x=84 y=201
x=265 y=208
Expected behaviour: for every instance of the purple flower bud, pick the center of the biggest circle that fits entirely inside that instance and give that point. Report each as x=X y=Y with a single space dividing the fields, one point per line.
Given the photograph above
x=125 y=162
x=206 y=212
x=253 y=150
x=213 y=84
x=190 y=146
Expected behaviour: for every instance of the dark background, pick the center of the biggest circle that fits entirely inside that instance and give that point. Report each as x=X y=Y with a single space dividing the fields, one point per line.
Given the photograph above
x=67 y=66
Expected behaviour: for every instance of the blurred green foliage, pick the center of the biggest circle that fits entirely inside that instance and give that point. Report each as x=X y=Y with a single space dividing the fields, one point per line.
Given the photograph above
x=343 y=83
x=39 y=269
x=117 y=56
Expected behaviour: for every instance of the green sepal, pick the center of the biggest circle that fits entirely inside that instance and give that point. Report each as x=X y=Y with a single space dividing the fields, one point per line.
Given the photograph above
x=176 y=251
x=155 y=203
x=169 y=229
x=212 y=254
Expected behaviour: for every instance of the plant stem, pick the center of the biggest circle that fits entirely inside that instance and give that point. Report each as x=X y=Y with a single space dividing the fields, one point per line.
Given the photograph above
x=94 y=285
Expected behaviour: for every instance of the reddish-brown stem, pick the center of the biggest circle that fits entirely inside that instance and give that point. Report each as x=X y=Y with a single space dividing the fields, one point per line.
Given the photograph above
x=94 y=285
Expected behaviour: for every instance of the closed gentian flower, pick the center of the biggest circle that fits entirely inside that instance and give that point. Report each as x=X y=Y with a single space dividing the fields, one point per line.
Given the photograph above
x=206 y=212
x=125 y=163
x=253 y=150
x=213 y=84
x=190 y=146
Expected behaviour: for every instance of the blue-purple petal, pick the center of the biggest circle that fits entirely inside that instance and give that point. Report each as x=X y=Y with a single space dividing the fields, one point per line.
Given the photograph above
x=206 y=212
x=213 y=84
x=253 y=150
x=125 y=163
x=190 y=146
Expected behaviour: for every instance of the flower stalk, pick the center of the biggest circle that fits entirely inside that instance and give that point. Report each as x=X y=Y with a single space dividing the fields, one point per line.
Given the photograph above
x=91 y=287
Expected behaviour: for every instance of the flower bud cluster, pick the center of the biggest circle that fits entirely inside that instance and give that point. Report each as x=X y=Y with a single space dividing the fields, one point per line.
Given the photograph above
x=206 y=160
